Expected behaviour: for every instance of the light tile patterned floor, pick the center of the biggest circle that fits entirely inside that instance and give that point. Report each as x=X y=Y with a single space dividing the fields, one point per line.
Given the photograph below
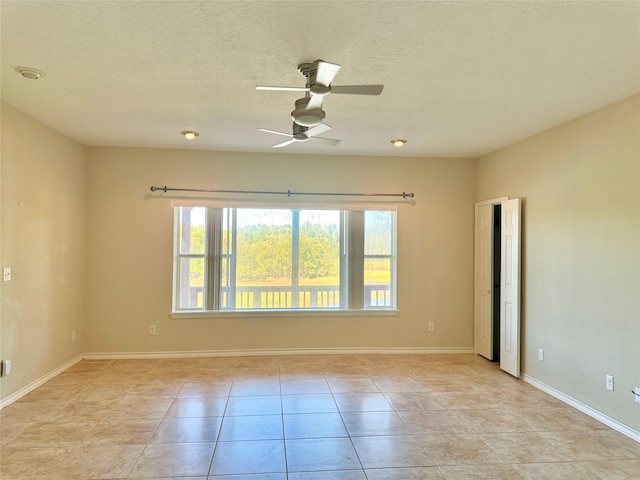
x=311 y=417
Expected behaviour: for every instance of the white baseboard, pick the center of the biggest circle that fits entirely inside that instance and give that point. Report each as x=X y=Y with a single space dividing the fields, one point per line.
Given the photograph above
x=601 y=417
x=291 y=351
x=36 y=383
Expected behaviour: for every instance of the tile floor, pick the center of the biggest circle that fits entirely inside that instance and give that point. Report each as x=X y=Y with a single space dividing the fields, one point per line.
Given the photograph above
x=312 y=417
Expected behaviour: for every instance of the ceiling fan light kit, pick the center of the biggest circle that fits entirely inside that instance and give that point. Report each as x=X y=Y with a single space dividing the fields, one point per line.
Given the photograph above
x=304 y=115
x=308 y=113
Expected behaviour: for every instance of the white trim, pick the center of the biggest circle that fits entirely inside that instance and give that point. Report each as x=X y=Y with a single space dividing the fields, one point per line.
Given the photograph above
x=288 y=351
x=493 y=201
x=40 y=381
x=320 y=201
x=283 y=313
x=592 y=412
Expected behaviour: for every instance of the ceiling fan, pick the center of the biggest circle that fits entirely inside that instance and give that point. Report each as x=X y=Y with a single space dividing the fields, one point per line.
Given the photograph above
x=302 y=134
x=319 y=75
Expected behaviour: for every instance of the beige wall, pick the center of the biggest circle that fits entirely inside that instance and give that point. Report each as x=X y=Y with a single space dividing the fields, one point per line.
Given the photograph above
x=129 y=251
x=43 y=241
x=581 y=221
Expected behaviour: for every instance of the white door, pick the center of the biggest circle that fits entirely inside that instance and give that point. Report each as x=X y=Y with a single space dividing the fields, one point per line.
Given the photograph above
x=510 y=288
x=483 y=295
x=483 y=284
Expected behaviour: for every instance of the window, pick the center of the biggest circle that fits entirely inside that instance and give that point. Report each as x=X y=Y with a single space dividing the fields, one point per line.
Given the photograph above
x=261 y=259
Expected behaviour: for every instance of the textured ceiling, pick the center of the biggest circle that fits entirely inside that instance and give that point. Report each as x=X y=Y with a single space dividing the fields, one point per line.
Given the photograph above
x=461 y=78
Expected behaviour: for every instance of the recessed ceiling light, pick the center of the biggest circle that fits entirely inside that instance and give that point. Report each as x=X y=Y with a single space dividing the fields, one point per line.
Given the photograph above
x=398 y=142
x=189 y=135
x=30 y=73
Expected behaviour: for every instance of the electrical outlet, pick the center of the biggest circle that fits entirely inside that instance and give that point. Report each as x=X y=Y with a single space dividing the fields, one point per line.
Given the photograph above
x=541 y=354
x=609 y=382
x=73 y=334
x=636 y=393
x=152 y=329
x=432 y=326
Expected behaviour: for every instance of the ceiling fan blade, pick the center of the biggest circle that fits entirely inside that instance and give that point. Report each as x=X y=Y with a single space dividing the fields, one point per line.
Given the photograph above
x=326 y=72
x=266 y=130
x=284 y=144
x=282 y=89
x=317 y=130
x=326 y=141
x=315 y=101
x=358 y=89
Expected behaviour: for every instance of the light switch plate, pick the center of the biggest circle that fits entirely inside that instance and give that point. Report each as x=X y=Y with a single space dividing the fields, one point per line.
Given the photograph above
x=6 y=274
x=5 y=367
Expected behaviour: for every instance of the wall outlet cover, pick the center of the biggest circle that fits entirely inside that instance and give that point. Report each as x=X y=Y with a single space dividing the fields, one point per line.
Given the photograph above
x=5 y=367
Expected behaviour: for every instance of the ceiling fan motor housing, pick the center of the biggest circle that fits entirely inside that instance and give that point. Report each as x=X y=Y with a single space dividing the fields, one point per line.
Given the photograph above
x=307 y=117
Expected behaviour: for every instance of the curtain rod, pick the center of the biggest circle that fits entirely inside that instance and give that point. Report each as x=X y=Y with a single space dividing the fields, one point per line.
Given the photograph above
x=166 y=189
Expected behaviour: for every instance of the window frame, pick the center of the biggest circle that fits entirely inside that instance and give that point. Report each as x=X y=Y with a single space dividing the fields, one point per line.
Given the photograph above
x=351 y=261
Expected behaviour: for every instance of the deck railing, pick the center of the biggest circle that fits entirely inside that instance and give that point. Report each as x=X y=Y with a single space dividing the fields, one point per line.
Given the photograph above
x=272 y=297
